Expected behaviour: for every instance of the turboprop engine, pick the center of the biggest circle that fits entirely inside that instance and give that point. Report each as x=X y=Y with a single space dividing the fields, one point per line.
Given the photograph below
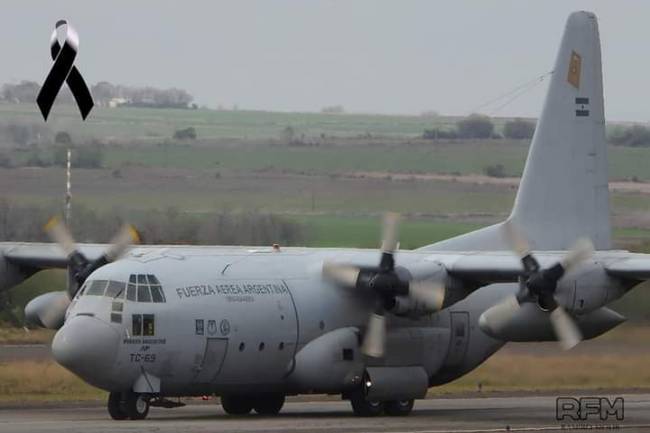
x=418 y=290
x=49 y=310
x=564 y=301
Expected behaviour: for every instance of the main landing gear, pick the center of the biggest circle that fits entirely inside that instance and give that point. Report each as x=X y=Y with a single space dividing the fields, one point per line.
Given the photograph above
x=264 y=404
x=128 y=405
x=364 y=407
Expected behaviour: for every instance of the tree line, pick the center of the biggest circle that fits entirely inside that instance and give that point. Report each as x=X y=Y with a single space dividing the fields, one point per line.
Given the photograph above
x=478 y=126
x=105 y=94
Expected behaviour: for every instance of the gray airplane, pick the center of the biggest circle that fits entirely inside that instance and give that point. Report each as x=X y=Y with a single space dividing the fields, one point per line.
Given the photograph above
x=255 y=324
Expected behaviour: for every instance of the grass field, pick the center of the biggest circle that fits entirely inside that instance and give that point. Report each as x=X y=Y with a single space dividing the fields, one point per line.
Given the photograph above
x=365 y=142
x=449 y=158
x=154 y=124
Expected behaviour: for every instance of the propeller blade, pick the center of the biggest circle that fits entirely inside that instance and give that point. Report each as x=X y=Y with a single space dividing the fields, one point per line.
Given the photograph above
x=374 y=341
x=515 y=239
x=127 y=236
x=389 y=232
x=581 y=251
x=566 y=330
x=498 y=316
x=60 y=234
x=429 y=293
x=342 y=274
x=520 y=245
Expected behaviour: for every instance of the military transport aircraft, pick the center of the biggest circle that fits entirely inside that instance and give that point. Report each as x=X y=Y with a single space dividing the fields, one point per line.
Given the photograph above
x=255 y=324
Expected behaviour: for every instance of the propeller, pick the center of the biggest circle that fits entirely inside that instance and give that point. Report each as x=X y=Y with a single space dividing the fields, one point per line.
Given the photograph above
x=80 y=266
x=540 y=285
x=48 y=310
x=386 y=283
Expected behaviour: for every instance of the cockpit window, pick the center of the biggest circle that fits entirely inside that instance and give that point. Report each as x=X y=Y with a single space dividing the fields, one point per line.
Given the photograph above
x=108 y=288
x=97 y=288
x=130 y=292
x=156 y=294
x=145 y=288
x=115 y=289
x=143 y=293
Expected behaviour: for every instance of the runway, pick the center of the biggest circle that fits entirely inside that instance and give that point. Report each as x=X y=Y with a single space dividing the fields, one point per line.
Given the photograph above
x=486 y=414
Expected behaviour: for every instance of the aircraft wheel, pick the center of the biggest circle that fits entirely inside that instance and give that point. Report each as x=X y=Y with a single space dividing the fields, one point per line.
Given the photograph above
x=115 y=409
x=399 y=407
x=136 y=406
x=236 y=404
x=269 y=404
x=363 y=407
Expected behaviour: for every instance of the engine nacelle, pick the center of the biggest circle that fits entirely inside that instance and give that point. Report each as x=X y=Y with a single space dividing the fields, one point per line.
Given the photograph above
x=432 y=273
x=48 y=310
x=329 y=363
x=589 y=288
x=531 y=323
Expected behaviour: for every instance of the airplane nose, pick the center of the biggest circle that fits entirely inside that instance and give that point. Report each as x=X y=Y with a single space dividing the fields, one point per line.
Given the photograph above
x=87 y=347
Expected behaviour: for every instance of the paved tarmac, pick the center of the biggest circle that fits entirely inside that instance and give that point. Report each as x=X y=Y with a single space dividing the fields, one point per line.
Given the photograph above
x=486 y=414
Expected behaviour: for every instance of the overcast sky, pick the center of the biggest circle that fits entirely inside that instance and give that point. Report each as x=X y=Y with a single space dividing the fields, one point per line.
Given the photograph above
x=374 y=56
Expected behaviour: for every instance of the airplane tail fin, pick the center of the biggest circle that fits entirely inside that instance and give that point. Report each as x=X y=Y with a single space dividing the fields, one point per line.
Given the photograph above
x=563 y=193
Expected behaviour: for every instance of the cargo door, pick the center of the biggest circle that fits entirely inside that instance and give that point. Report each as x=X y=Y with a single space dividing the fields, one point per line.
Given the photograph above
x=459 y=338
x=215 y=352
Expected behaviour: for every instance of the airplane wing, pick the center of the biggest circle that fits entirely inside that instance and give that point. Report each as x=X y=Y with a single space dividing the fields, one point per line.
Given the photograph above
x=488 y=267
x=37 y=256
x=634 y=267
x=499 y=267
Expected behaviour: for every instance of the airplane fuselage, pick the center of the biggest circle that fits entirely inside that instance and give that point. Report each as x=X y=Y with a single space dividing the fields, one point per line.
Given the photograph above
x=234 y=319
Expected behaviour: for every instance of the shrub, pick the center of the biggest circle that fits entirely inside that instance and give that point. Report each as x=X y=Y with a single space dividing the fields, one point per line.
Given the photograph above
x=62 y=137
x=635 y=136
x=438 y=133
x=495 y=170
x=518 y=129
x=88 y=157
x=185 y=134
x=475 y=126
x=5 y=161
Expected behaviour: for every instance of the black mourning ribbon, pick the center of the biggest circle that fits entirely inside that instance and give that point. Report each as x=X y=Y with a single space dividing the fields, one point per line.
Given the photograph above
x=62 y=71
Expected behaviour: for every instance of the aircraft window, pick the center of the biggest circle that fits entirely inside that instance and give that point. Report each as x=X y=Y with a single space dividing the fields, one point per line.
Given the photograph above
x=156 y=294
x=97 y=287
x=130 y=293
x=82 y=289
x=143 y=294
x=146 y=288
x=148 y=325
x=115 y=289
x=136 y=325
